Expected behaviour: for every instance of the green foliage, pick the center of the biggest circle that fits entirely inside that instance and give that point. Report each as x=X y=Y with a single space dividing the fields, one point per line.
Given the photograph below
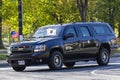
x=3 y=56
x=37 y=13
x=118 y=50
x=108 y=11
x=10 y=15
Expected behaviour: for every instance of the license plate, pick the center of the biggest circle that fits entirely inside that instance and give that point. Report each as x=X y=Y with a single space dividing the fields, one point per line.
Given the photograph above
x=20 y=49
x=21 y=62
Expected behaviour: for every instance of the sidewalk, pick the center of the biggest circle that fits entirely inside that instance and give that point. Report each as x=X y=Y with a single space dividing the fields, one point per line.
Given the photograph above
x=3 y=51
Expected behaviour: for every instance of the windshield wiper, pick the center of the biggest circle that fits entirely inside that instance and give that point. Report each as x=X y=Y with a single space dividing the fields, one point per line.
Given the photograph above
x=32 y=37
x=44 y=36
x=41 y=37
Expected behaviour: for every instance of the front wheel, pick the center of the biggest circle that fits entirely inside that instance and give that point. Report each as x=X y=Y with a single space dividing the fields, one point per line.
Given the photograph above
x=55 y=60
x=19 y=68
x=103 y=57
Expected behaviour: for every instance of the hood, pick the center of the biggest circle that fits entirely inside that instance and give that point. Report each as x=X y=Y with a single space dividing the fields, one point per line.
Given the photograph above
x=33 y=41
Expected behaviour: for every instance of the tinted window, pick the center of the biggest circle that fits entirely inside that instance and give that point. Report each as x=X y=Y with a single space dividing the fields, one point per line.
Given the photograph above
x=70 y=30
x=101 y=29
x=85 y=31
x=48 y=31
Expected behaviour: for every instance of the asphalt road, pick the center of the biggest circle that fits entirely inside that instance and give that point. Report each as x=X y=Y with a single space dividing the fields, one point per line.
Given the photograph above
x=81 y=71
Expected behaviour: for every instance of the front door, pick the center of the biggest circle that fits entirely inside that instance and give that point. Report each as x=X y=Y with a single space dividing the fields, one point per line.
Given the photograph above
x=71 y=45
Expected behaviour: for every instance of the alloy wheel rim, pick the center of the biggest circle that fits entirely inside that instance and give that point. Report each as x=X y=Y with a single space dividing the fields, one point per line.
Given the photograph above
x=57 y=60
x=104 y=57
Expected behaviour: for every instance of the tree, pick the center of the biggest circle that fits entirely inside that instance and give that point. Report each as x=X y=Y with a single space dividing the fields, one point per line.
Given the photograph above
x=1 y=43
x=82 y=6
x=92 y=8
x=38 y=13
x=107 y=11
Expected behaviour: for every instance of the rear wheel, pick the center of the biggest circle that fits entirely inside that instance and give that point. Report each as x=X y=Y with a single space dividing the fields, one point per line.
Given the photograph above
x=55 y=60
x=69 y=64
x=103 y=57
x=19 y=68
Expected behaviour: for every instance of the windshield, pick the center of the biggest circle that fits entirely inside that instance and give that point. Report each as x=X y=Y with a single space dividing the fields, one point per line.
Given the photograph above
x=47 y=31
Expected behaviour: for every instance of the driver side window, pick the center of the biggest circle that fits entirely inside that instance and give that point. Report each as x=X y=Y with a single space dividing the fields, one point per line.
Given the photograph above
x=70 y=30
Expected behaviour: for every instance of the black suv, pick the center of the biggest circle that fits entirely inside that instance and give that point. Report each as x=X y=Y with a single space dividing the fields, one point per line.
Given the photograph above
x=66 y=44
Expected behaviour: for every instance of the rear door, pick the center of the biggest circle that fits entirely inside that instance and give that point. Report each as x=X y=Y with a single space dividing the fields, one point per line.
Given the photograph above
x=87 y=43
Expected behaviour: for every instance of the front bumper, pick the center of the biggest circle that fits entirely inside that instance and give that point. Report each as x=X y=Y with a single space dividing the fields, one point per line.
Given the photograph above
x=28 y=58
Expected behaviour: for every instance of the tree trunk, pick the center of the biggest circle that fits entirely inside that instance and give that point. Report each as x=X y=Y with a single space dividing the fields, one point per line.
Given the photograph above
x=119 y=30
x=1 y=43
x=82 y=7
x=111 y=14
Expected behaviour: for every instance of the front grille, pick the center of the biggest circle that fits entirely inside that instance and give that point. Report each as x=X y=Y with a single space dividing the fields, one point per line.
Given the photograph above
x=22 y=49
x=22 y=46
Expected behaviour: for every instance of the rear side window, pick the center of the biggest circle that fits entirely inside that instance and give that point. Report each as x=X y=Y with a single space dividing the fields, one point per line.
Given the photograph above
x=85 y=31
x=102 y=29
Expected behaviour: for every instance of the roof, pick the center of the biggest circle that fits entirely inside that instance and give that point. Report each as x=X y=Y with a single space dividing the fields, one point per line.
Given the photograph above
x=67 y=24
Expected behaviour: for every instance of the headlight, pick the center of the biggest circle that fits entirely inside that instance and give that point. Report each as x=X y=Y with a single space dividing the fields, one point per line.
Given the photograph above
x=39 y=48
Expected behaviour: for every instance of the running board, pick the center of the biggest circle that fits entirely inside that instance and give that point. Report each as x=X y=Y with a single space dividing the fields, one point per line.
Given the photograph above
x=77 y=60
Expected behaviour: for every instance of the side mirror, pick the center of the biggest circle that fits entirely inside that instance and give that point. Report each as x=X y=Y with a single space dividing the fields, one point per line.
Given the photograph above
x=69 y=35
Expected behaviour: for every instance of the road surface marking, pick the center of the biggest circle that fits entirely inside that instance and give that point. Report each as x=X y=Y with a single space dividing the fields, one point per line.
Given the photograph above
x=94 y=72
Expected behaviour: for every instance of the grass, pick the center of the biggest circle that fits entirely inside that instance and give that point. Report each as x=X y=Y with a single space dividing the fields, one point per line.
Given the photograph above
x=3 y=56
x=3 y=48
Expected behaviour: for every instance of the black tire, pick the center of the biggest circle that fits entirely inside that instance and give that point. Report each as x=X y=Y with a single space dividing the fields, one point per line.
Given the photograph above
x=103 y=57
x=19 y=68
x=69 y=64
x=55 y=60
